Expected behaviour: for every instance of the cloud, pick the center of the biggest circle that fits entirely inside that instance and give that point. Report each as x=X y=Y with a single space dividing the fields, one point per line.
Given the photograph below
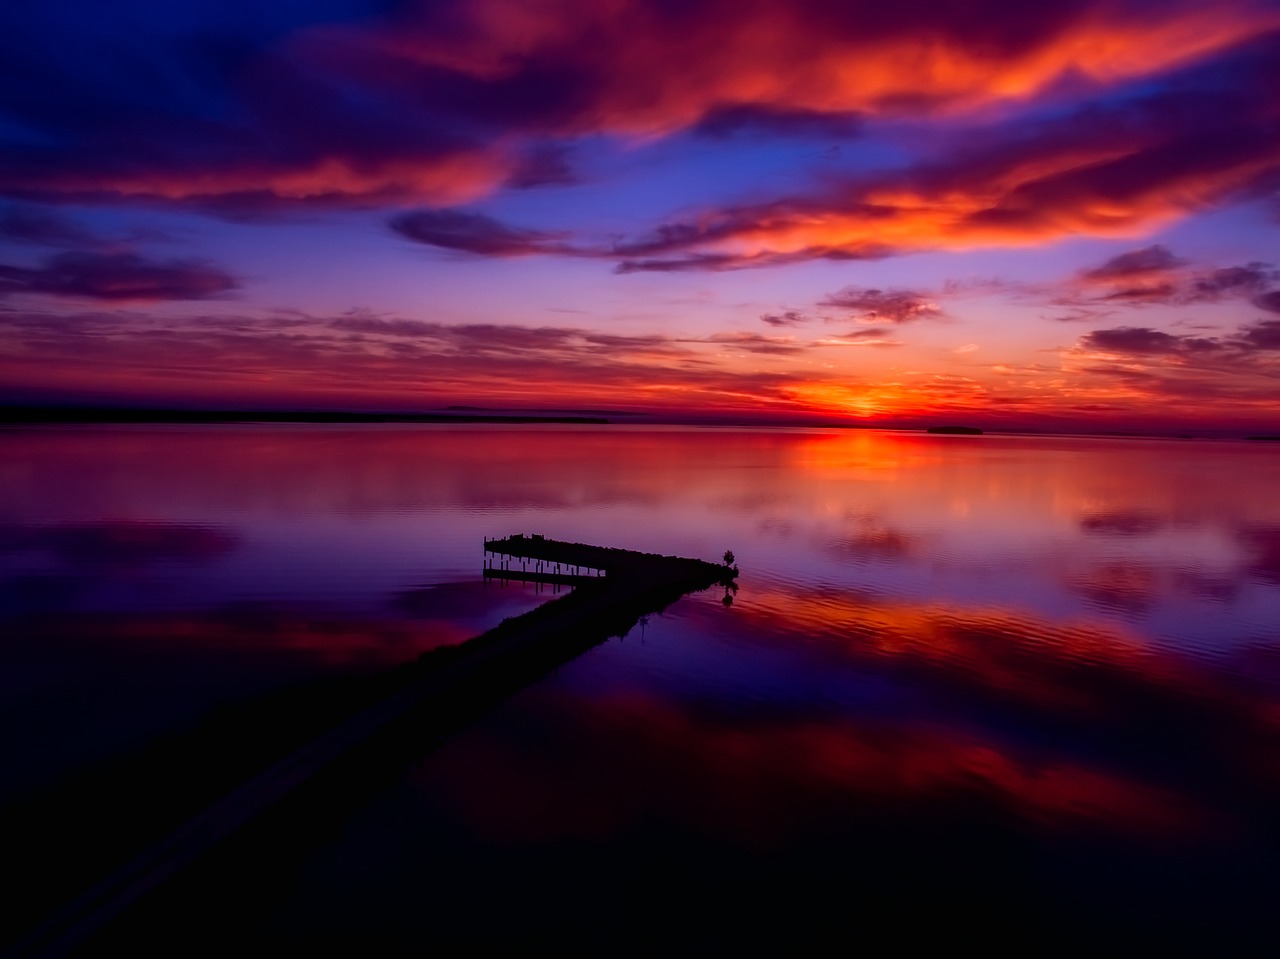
x=1262 y=335
x=1103 y=169
x=364 y=360
x=1234 y=280
x=1139 y=368
x=720 y=262
x=474 y=233
x=25 y=223
x=119 y=277
x=1154 y=275
x=786 y=318
x=762 y=120
x=440 y=103
x=755 y=343
x=1144 y=263
x=545 y=165
x=633 y=68
x=883 y=306
x=1269 y=302
x=1144 y=341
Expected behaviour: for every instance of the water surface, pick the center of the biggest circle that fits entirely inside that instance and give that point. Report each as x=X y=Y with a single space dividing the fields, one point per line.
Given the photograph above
x=971 y=675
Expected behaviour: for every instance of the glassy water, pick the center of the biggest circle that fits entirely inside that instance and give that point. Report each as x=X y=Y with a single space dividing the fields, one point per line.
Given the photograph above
x=987 y=678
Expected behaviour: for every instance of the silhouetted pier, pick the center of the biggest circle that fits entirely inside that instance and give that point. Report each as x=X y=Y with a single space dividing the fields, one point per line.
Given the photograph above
x=400 y=714
x=534 y=558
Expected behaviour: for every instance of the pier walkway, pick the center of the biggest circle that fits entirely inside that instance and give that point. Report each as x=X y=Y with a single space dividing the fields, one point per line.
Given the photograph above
x=535 y=558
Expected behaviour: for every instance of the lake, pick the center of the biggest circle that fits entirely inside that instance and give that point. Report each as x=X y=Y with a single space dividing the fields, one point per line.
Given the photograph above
x=1019 y=688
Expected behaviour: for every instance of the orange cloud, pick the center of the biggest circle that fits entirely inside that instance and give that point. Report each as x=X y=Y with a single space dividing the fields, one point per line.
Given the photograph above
x=646 y=70
x=1019 y=194
x=450 y=102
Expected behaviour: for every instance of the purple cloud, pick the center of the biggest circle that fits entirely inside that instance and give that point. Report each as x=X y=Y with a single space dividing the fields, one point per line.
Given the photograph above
x=1154 y=275
x=1138 y=340
x=30 y=224
x=474 y=233
x=883 y=306
x=1262 y=335
x=1137 y=263
x=117 y=277
x=764 y=120
x=786 y=318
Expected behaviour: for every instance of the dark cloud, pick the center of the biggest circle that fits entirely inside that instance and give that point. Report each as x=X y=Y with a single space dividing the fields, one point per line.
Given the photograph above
x=546 y=165
x=1080 y=315
x=1153 y=275
x=215 y=112
x=1137 y=263
x=786 y=318
x=1234 y=280
x=31 y=224
x=861 y=336
x=883 y=306
x=1269 y=302
x=763 y=120
x=1155 y=293
x=474 y=233
x=117 y=277
x=1141 y=340
x=720 y=262
x=1262 y=335
x=755 y=343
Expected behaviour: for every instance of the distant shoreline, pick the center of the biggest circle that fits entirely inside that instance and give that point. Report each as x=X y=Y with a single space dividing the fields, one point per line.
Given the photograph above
x=91 y=415
x=19 y=415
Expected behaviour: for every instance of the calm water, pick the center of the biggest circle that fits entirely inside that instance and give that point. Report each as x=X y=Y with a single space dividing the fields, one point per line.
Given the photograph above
x=979 y=679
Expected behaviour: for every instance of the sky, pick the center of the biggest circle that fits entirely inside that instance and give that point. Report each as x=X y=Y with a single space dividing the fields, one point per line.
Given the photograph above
x=1061 y=215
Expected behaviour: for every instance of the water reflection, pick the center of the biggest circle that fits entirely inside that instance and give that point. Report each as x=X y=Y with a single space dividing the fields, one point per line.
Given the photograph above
x=1039 y=660
x=816 y=747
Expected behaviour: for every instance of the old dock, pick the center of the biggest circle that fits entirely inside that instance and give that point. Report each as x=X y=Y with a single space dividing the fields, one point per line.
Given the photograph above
x=408 y=709
x=534 y=558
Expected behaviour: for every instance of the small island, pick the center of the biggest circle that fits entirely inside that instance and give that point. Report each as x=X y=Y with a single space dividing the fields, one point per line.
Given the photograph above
x=955 y=430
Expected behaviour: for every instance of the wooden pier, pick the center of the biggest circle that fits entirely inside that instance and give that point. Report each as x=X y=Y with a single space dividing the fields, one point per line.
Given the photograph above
x=534 y=558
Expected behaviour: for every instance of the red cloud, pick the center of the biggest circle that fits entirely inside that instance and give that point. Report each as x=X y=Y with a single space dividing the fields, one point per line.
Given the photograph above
x=637 y=68
x=447 y=102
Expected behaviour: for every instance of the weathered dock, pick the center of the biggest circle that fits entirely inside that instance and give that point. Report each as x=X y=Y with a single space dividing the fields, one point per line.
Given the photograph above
x=403 y=713
x=535 y=558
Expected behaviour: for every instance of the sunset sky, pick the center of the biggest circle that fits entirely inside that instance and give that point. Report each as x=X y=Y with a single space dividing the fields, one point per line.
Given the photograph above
x=1007 y=214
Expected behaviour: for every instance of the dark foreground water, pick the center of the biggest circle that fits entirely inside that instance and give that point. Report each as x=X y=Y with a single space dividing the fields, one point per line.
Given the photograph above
x=972 y=688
